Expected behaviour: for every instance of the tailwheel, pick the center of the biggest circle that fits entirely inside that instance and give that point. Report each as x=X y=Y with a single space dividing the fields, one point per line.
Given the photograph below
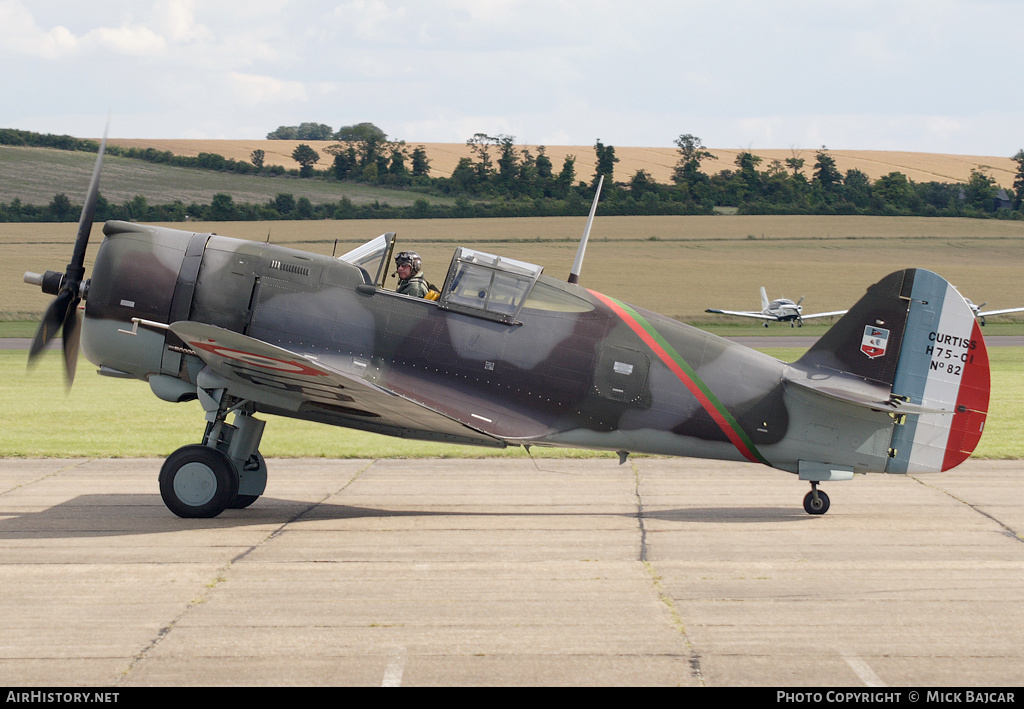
x=198 y=481
x=816 y=502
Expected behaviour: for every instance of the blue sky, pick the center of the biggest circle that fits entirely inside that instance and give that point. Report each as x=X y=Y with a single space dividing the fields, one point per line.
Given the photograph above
x=918 y=75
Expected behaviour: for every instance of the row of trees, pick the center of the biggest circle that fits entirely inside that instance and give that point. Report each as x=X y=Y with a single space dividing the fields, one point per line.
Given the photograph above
x=322 y=131
x=514 y=179
x=223 y=207
x=498 y=169
x=783 y=187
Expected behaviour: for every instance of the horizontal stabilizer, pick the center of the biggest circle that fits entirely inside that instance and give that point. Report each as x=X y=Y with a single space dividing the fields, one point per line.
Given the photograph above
x=867 y=397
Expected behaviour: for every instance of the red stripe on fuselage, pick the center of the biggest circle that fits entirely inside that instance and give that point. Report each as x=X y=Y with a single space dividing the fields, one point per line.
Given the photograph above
x=687 y=381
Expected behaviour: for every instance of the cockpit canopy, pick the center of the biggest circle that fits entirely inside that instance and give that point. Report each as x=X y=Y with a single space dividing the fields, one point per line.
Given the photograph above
x=480 y=283
x=371 y=257
x=477 y=283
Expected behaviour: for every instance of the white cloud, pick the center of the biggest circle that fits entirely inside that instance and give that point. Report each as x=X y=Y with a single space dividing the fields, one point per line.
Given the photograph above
x=369 y=19
x=251 y=89
x=20 y=35
x=130 y=41
x=176 y=20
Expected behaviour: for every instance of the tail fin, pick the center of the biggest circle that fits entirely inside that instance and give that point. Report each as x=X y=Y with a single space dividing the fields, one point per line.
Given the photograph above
x=764 y=299
x=914 y=340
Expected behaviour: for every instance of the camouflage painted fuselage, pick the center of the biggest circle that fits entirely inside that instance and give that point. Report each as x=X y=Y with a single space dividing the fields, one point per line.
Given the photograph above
x=575 y=369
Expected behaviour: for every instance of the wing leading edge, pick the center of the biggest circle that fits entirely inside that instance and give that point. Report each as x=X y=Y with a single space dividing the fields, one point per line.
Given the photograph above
x=823 y=315
x=742 y=314
x=1004 y=311
x=279 y=379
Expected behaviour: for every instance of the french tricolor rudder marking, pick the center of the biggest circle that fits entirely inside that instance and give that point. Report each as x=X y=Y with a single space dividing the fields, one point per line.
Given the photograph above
x=671 y=359
x=971 y=406
x=943 y=364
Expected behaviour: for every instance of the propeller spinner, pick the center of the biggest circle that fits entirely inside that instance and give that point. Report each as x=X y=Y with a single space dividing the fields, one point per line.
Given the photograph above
x=69 y=287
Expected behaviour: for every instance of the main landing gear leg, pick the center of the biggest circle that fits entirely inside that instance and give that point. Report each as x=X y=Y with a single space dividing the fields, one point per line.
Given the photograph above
x=816 y=501
x=225 y=471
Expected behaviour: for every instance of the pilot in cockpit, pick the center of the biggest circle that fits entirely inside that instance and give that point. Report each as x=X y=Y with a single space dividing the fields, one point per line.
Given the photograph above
x=411 y=280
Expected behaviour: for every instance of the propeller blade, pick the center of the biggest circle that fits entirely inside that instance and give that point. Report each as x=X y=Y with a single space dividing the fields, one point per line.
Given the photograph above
x=62 y=313
x=88 y=211
x=72 y=332
x=50 y=325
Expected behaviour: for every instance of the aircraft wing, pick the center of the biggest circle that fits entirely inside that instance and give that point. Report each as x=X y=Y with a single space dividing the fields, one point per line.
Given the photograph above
x=742 y=314
x=1000 y=312
x=308 y=387
x=822 y=315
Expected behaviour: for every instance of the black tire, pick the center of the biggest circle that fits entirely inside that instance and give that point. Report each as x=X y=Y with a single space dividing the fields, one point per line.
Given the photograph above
x=242 y=501
x=198 y=482
x=816 y=507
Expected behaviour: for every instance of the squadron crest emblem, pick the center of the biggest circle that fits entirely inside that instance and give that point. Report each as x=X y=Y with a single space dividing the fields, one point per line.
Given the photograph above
x=874 y=341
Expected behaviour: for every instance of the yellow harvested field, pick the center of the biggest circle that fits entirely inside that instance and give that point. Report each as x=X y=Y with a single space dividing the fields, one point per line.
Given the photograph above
x=675 y=265
x=658 y=162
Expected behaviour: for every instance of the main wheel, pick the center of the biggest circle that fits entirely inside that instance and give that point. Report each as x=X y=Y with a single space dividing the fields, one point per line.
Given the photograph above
x=198 y=481
x=252 y=482
x=242 y=501
x=817 y=506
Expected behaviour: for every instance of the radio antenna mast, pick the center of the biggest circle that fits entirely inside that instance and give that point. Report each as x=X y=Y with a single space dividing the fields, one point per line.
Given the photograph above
x=574 y=275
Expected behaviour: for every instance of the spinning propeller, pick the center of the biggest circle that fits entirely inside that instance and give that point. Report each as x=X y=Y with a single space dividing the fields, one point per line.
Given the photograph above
x=69 y=287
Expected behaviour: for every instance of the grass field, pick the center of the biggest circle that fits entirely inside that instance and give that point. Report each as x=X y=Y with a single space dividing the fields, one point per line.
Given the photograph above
x=35 y=175
x=102 y=417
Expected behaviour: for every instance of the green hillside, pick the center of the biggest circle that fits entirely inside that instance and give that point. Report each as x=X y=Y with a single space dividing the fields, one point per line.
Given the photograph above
x=35 y=175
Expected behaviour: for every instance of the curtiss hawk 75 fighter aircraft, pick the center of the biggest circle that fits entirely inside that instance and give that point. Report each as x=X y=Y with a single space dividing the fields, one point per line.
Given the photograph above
x=779 y=310
x=505 y=356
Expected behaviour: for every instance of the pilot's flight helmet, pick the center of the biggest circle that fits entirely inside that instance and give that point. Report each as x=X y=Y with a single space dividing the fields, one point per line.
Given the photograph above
x=410 y=257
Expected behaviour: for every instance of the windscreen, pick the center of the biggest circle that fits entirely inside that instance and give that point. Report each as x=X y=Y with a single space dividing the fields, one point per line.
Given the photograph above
x=371 y=256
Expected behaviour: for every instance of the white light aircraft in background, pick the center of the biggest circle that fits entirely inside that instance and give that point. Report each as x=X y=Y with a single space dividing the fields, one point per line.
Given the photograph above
x=779 y=310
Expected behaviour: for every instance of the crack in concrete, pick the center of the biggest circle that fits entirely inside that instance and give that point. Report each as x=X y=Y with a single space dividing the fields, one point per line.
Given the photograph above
x=666 y=600
x=221 y=576
x=1007 y=529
